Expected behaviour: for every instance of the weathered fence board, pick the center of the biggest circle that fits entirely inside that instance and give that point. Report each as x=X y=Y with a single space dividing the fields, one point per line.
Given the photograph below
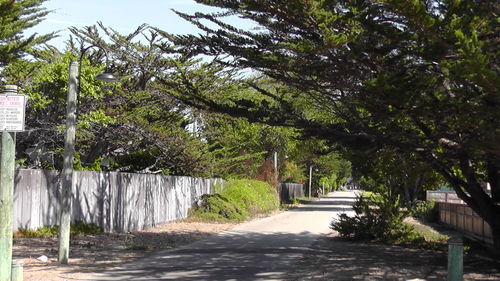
x=456 y=213
x=289 y=191
x=118 y=202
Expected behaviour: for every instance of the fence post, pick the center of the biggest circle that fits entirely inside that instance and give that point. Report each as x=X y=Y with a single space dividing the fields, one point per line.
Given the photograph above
x=455 y=259
x=17 y=271
x=7 y=164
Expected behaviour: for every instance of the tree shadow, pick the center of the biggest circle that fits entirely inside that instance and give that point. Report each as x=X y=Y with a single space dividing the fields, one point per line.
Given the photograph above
x=333 y=258
x=232 y=255
x=276 y=256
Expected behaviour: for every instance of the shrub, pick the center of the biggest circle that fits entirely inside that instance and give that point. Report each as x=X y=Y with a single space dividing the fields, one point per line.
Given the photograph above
x=219 y=208
x=41 y=232
x=77 y=228
x=377 y=216
x=252 y=195
x=426 y=210
x=238 y=200
x=83 y=228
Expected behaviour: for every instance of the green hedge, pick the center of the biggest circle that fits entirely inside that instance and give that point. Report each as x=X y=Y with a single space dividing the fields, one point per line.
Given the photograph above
x=237 y=201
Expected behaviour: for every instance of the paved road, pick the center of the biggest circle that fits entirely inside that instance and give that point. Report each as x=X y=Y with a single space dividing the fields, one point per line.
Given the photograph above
x=263 y=249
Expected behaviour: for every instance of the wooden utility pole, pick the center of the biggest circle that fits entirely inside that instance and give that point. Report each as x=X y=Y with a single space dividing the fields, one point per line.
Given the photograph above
x=275 y=162
x=67 y=172
x=310 y=180
x=7 y=164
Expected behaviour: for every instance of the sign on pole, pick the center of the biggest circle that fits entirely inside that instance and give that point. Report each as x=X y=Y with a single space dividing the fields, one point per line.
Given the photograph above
x=12 y=111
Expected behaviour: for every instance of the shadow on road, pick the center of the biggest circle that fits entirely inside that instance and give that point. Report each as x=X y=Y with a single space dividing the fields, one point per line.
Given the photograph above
x=231 y=256
x=306 y=208
x=339 y=198
x=340 y=259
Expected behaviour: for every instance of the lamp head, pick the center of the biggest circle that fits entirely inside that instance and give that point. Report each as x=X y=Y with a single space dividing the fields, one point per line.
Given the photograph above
x=106 y=77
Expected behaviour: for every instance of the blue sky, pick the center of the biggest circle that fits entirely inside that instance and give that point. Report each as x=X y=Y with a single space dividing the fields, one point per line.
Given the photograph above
x=122 y=15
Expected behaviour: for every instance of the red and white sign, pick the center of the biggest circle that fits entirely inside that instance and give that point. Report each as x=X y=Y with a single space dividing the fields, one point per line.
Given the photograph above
x=12 y=111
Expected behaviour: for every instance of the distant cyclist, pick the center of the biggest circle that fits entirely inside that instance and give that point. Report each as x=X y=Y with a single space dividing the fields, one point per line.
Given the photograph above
x=319 y=192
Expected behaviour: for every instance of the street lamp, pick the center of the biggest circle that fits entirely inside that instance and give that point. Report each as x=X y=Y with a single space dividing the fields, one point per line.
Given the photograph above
x=69 y=148
x=106 y=77
x=310 y=179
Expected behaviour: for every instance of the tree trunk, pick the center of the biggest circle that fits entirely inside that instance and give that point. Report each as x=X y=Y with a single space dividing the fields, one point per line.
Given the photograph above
x=481 y=203
x=495 y=230
x=469 y=189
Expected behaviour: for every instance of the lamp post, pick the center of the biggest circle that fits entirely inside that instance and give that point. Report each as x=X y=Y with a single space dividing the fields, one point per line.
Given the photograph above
x=275 y=162
x=69 y=150
x=310 y=180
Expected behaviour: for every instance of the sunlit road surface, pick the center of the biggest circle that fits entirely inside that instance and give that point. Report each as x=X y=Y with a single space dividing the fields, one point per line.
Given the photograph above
x=264 y=249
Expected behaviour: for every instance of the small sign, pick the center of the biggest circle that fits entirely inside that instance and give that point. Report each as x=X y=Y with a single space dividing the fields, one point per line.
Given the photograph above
x=12 y=111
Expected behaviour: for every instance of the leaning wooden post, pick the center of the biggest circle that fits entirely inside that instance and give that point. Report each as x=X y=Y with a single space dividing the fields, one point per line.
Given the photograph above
x=7 y=163
x=67 y=172
x=455 y=259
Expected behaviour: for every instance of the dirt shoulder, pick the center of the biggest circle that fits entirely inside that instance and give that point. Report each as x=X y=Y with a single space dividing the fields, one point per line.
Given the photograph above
x=330 y=257
x=334 y=258
x=93 y=253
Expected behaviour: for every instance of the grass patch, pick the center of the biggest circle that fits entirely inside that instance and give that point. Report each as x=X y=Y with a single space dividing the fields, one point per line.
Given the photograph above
x=41 y=232
x=77 y=228
x=423 y=237
x=306 y=199
x=237 y=201
x=291 y=203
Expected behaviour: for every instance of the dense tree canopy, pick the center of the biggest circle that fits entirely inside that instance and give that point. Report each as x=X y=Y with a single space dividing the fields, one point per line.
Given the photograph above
x=132 y=125
x=416 y=77
x=15 y=18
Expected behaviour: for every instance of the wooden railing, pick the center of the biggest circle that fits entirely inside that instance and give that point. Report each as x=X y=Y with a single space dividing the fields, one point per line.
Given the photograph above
x=454 y=212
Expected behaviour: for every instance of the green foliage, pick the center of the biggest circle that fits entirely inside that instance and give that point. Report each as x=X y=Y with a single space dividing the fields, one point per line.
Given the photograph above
x=41 y=232
x=239 y=148
x=426 y=210
x=293 y=173
x=417 y=79
x=238 y=200
x=15 y=18
x=77 y=228
x=401 y=174
x=376 y=217
x=82 y=228
x=219 y=208
x=254 y=196
x=295 y=201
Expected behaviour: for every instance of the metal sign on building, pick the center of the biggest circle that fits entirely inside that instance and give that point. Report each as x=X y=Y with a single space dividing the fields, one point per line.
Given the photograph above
x=12 y=112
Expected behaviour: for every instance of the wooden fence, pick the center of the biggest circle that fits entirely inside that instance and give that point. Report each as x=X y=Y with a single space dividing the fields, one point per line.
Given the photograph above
x=118 y=202
x=289 y=191
x=454 y=212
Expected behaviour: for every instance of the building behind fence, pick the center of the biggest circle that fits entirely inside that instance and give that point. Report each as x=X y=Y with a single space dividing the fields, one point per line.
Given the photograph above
x=117 y=202
x=288 y=191
x=454 y=212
